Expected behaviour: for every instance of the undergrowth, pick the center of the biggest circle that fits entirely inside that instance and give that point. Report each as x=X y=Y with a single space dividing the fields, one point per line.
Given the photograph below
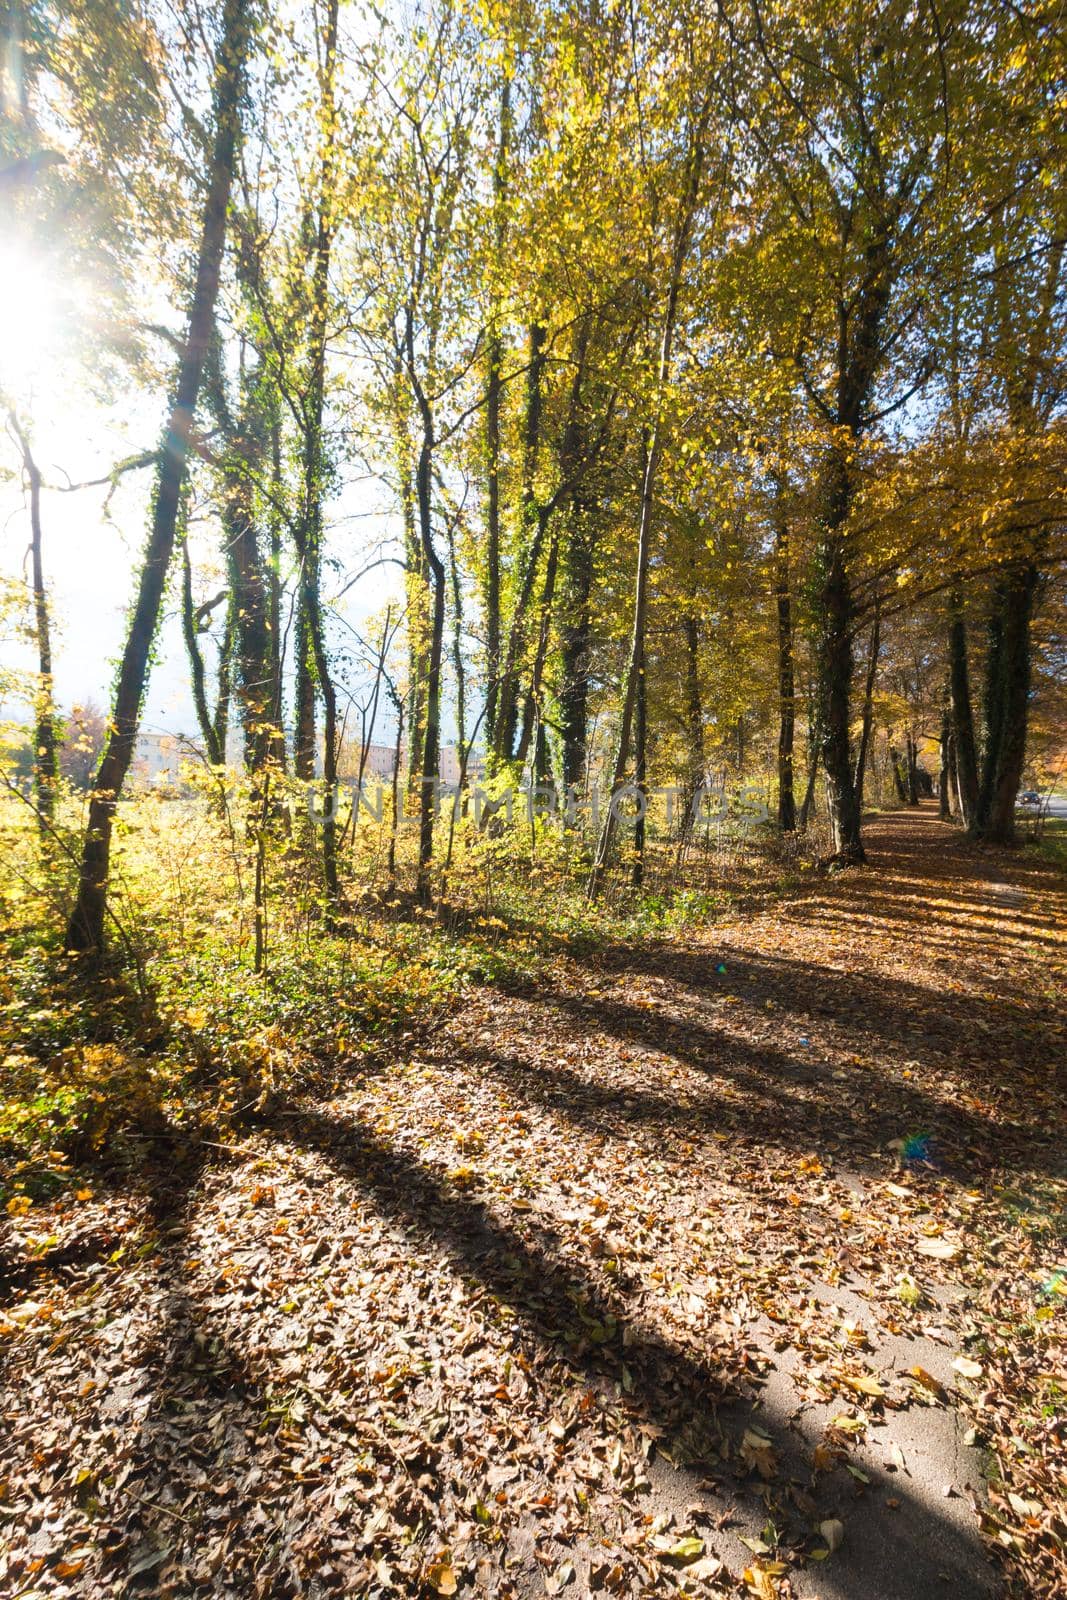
x=175 y=1039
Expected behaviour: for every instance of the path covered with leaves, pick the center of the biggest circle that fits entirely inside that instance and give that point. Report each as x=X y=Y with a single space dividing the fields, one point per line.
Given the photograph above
x=727 y=1265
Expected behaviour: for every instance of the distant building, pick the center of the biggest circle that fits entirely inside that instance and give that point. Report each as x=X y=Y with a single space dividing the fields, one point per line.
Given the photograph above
x=448 y=765
x=157 y=759
x=381 y=759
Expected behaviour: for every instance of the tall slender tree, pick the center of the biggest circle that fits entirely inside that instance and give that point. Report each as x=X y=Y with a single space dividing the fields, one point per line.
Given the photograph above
x=85 y=931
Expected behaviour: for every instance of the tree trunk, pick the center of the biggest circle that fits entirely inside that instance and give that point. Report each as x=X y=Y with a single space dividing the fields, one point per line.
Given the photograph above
x=944 y=776
x=787 y=808
x=85 y=931
x=492 y=542
x=859 y=323
x=912 y=768
x=220 y=721
x=992 y=705
x=962 y=713
x=304 y=684
x=368 y=720
x=197 y=676
x=417 y=586
x=1008 y=698
x=45 y=738
x=640 y=756
x=252 y=604
x=492 y=438
x=317 y=638
x=394 y=821
x=542 y=762
x=535 y=521
x=574 y=644
x=652 y=446
x=253 y=613
x=531 y=444
x=313 y=667
x=457 y=642
x=571 y=464
x=899 y=783
x=276 y=664
x=635 y=671
x=834 y=666
x=809 y=787
x=431 y=749
x=868 y=706
x=533 y=709
x=310 y=654
x=694 y=726
x=954 y=777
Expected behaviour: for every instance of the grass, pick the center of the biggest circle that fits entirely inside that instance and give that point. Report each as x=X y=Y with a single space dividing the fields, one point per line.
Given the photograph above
x=1050 y=845
x=179 y=1040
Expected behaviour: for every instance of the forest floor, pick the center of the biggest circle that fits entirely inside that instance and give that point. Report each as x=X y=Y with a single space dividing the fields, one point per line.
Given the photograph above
x=733 y=1263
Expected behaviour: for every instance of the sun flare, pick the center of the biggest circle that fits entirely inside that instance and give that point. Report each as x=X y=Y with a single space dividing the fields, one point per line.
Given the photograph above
x=29 y=320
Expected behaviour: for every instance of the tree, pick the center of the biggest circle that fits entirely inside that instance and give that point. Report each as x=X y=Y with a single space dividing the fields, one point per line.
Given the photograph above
x=419 y=218
x=697 y=103
x=85 y=931
x=45 y=740
x=851 y=134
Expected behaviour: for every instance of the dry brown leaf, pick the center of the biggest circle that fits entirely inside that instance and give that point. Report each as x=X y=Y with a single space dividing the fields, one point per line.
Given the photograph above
x=938 y=1249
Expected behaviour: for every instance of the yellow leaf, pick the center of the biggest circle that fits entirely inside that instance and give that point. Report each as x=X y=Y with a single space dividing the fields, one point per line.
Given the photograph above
x=441 y=1578
x=927 y=1380
x=759 y=1583
x=865 y=1384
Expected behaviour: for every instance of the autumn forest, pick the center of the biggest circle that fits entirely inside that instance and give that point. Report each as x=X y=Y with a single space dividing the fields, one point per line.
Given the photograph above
x=533 y=798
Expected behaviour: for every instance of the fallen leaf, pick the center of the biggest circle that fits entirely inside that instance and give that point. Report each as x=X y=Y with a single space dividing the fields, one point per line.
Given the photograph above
x=684 y=1550
x=441 y=1578
x=759 y=1583
x=847 y=1424
x=938 y=1249
x=928 y=1381
x=757 y=1451
x=866 y=1383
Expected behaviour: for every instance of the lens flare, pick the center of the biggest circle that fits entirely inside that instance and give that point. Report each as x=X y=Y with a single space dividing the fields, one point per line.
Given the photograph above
x=28 y=320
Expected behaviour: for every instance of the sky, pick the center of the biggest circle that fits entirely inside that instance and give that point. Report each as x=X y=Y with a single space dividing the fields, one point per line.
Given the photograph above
x=92 y=539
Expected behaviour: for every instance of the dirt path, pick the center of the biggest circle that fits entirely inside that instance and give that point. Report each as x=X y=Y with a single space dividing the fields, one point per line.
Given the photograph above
x=713 y=1267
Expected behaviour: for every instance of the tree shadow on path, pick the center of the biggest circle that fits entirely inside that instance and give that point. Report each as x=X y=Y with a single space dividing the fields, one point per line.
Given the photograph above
x=565 y=1312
